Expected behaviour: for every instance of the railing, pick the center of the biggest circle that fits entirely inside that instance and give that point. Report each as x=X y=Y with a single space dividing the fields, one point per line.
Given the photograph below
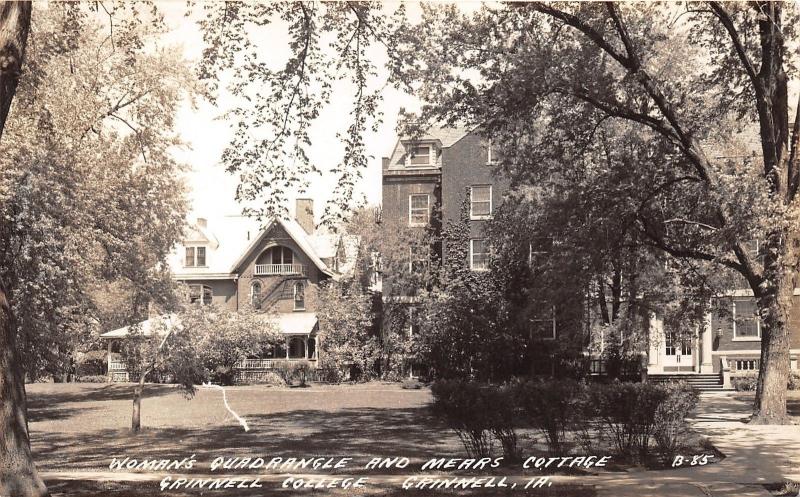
x=269 y=363
x=280 y=269
x=116 y=365
x=744 y=364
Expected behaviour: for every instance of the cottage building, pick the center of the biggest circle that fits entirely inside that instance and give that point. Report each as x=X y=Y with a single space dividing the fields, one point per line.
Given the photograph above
x=235 y=263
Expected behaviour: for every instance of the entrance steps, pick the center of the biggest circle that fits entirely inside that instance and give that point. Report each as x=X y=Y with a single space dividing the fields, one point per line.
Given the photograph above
x=702 y=382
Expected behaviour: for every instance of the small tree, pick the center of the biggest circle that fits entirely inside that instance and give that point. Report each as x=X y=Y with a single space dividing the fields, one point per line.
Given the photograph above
x=347 y=333
x=223 y=337
x=167 y=348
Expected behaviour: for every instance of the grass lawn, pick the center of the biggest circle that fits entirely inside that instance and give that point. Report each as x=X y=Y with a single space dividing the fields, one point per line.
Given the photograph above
x=792 y=401
x=81 y=427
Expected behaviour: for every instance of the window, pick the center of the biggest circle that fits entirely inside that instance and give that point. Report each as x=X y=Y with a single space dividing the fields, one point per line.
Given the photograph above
x=479 y=254
x=195 y=257
x=539 y=247
x=417 y=257
x=299 y=296
x=255 y=295
x=418 y=209
x=480 y=202
x=200 y=294
x=420 y=156
x=543 y=327
x=281 y=255
x=746 y=323
x=491 y=155
x=672 y=342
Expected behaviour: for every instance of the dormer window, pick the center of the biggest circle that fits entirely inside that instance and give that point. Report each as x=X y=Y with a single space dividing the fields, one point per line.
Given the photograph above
x=195 y=257
x=420 y=156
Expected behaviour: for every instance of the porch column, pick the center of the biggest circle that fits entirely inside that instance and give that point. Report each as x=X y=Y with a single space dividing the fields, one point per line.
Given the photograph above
x=287 y=340
x=305 y=347
x=706 y=344
x=108 y=369
x=655 y=341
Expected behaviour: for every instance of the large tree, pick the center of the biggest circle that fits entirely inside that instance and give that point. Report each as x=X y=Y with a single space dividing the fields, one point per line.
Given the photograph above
x=688 y=78
x=89 y=192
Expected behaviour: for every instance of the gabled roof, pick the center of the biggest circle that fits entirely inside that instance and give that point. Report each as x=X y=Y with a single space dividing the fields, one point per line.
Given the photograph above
x=447 y=136
x=297 y=234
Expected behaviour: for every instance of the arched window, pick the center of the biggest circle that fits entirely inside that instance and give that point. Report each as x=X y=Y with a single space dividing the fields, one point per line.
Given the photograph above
x=299 y=296
x=281 y=255
x=200 y=294
x=255 y=294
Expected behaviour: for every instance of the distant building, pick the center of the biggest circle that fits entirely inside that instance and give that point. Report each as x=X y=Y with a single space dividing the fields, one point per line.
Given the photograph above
x=276 y=270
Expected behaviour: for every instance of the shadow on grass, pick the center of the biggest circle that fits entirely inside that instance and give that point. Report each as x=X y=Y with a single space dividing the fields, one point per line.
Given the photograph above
x=63 y=404
x=360 y=433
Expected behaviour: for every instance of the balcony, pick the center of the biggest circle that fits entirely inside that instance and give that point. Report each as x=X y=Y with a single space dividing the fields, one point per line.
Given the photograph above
x=280 y=269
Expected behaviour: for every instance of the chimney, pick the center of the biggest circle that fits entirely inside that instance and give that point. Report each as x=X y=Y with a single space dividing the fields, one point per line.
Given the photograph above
x=202 y=223
x=304 y=214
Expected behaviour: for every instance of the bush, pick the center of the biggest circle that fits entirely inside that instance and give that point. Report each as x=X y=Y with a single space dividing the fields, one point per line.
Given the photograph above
x=670 y=421
x=269 y=378
x=794 y=380
x=503 y=410
x=745 y=383
x=92 y=379
x=330 y=375
x=92 y=363
x=627 y=413
x=294 y=372
x=464 y=407
x=551 y=407
x=301 y=370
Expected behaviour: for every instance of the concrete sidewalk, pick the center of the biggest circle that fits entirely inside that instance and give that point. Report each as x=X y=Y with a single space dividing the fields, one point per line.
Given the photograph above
x=755 y=455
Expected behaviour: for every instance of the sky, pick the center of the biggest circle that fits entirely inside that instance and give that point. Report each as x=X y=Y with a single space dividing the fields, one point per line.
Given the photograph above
x=212 y=190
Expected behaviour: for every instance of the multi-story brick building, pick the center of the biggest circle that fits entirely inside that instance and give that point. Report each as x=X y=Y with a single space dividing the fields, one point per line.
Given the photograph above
x=427 y=179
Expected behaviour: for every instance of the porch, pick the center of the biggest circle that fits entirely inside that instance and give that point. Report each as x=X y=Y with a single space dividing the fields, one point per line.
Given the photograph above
x=299 y=346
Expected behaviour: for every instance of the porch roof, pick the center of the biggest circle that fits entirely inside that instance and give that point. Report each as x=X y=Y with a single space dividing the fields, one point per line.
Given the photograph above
x=288 y=323
x=145 y=326
x=297 y=323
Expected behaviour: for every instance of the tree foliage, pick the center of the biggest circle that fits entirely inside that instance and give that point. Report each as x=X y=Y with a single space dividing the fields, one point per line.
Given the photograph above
x=277 y=103
x=89 y=192
x=548 y=81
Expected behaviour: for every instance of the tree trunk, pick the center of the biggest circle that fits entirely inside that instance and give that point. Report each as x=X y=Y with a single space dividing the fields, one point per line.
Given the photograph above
x=773 y=374
x=18 y=475
x=136 y=418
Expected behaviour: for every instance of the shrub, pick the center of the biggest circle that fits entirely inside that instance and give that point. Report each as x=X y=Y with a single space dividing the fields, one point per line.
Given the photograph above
x=294 y=372
x=330 y=375
x=285 y=371
x=463 y=406
x=627 y=413
x=269 y=378
x=92 y=363
x=92 y=379
x=670 y=420
x=551 y=407
x=503 y=409
x=301 y=370
x=794 y=381
x=745 y=383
